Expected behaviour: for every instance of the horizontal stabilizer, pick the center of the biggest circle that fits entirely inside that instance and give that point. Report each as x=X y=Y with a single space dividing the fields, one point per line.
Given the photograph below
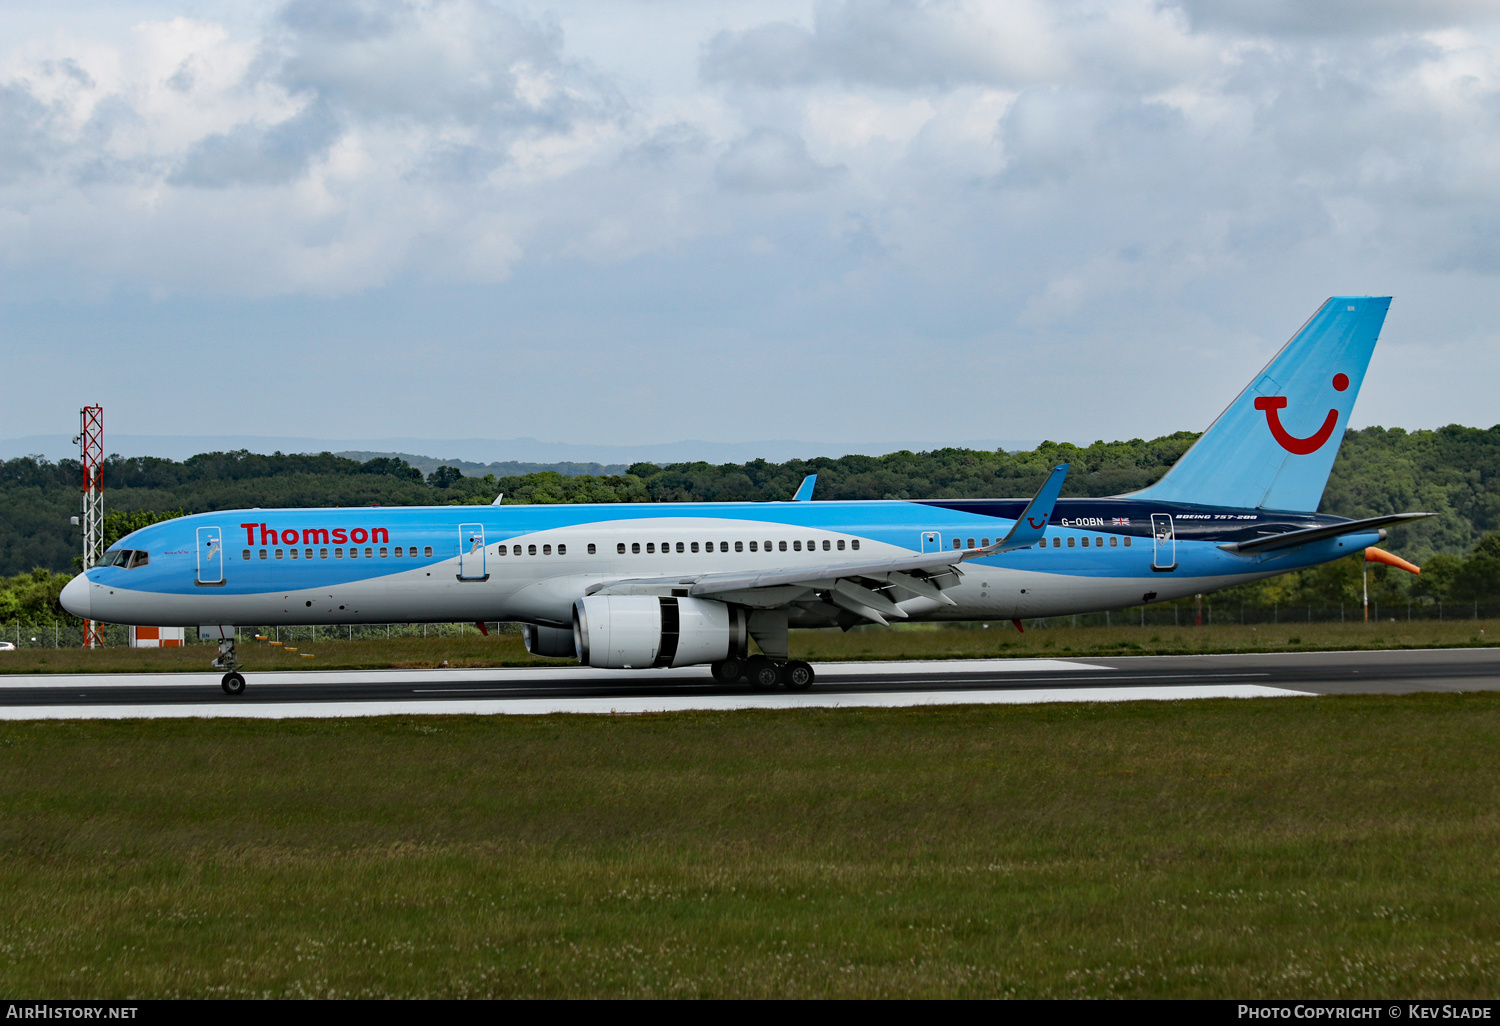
x=1291 y=539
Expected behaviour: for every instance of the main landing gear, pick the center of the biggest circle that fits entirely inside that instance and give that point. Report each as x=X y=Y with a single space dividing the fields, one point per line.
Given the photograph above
x=764 y=674
x=233 y=682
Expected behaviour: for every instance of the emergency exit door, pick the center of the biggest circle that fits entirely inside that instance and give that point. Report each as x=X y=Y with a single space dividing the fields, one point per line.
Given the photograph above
x=471 y=552
x=210 y=556
x=1164 y=543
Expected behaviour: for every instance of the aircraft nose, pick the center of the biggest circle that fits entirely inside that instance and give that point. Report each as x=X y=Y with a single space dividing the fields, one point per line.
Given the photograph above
x=75 y=597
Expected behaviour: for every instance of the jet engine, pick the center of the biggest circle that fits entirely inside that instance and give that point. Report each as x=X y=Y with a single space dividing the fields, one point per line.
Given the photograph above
x=549 y=641
x=639 y=631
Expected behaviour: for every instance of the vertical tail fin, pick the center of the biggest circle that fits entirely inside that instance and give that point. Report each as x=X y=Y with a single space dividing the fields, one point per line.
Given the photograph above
x=1275 y=445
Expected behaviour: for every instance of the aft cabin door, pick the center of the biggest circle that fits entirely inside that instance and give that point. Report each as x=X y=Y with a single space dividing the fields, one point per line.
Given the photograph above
x=471 y=552
x=932 y=541
x=210 y=556
x=1164 y=542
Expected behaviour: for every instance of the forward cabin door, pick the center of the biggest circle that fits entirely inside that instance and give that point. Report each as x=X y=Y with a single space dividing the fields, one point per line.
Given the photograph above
x=1164 y=543
x=471 y=552
x=210 y=556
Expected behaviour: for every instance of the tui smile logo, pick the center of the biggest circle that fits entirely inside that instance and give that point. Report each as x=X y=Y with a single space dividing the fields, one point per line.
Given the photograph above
x=1273 y=404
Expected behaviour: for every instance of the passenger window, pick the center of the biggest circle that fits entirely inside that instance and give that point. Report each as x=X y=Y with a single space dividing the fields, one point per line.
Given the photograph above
x=307 y=553
x=739 y=546
x=651 y=546
x=382 y=552
x=1099 y=543
x=278 y=553
x=753 y=547
x=562 y=550
x=841 y=545
x=768 y=546
x=531 y=550
x=681 y=547
x=1070 y=541
x=397 y=552
x=620 y=548
x=369 y=553
x=957 y=544
x=854 y=544
x=1127 y=541
x=1084 y=542
x=546 y=550
x=969 y=542
x=503 y=550
x=781 y=546
x=338 y=553
x=984 y=542
x=262 y=553
x=292 y=553
x=1113 y=541
x=826 y=545
x=353 y=552
x=723 y=546
x=592 y=550
x=426 y=551
x=246 y=554
x=797 y=546
x=1056 y=542
x=322 y=553
x=635 y=547
x=694 y=546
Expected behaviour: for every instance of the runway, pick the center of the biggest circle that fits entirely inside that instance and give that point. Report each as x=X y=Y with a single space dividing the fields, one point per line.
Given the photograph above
x=531 y=691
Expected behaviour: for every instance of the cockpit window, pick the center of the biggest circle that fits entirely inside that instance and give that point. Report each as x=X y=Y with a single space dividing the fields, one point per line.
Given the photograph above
x=139 y=558
x=125 y=558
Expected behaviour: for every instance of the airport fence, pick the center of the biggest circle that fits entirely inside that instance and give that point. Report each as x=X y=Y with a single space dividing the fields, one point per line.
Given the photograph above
x=63 y=633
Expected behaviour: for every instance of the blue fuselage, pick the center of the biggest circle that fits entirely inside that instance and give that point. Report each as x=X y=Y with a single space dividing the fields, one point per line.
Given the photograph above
x=531 y=563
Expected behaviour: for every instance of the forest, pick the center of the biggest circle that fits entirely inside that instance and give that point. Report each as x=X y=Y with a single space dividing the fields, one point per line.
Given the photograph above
x=1453 y=471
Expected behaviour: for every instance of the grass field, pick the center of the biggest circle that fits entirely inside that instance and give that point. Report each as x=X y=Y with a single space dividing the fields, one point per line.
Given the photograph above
x=999 y=641
x=1338 y=846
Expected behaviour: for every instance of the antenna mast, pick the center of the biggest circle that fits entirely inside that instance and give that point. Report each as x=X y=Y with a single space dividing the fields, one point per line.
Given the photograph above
x=91 y=455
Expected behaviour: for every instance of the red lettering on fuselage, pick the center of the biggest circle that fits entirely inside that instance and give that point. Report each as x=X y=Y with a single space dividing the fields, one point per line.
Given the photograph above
x=315 y=535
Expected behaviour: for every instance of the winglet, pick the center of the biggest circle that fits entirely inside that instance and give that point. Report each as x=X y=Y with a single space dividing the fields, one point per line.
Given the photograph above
x=805 y=489
x=1032 y=523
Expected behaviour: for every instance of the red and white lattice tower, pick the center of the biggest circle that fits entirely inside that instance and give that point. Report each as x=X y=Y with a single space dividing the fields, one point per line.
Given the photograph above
x=91 y=449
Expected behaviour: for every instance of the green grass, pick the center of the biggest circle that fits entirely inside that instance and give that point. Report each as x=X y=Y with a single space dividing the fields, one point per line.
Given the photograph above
x=917 y=642
x=1338 y=846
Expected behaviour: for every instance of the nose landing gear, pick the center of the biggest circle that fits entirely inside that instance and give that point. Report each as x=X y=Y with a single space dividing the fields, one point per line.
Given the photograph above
x=233 y=682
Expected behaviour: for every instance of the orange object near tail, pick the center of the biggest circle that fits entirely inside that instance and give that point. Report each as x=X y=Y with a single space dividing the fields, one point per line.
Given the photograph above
x=1017 y=622
x=1374 y=555
x=486 y=631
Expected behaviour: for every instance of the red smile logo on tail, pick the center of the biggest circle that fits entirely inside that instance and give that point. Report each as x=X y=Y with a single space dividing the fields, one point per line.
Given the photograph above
x=1272 y=404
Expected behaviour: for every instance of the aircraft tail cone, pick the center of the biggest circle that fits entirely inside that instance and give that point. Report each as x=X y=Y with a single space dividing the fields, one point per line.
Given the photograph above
x=1374 y=555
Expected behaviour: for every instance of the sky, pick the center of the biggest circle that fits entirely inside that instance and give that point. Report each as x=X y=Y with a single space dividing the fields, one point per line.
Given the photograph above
x=642 y=221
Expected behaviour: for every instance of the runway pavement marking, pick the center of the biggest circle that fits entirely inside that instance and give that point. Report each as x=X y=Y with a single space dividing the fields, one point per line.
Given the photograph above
x=613 y=705
x=918 y=680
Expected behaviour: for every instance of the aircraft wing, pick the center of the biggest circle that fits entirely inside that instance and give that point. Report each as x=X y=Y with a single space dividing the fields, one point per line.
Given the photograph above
x=1291 y=539
x=917 y=574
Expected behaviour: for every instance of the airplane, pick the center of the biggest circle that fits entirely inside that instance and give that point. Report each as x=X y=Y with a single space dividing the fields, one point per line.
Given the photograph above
x=640 y=585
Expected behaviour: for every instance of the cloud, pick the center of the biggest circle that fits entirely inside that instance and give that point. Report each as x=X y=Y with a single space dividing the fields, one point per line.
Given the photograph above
x=767 y=161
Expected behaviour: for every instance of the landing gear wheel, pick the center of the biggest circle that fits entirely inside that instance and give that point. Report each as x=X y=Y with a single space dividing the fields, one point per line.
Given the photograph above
x=728 y=671
x=763 y=673
x=233 y=684
x=798 y=676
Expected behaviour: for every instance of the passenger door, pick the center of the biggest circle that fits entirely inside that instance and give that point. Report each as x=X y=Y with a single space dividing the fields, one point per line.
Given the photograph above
x=210 y=556
x=932 y=541
x=471 y=552
x=1164 y=543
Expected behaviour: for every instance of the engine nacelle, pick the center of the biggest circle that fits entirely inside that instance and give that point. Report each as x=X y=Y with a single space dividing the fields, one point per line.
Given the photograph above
x=549 y=641
x=639 y=631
